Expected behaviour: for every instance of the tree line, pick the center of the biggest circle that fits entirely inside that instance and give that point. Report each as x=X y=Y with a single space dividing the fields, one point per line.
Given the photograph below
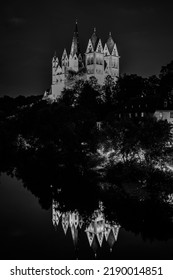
x=65 y=133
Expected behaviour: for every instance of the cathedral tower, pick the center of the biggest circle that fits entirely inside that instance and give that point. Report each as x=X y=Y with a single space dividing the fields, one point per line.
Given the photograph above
x=94 y=58
x=111 y=58
x=57 y=78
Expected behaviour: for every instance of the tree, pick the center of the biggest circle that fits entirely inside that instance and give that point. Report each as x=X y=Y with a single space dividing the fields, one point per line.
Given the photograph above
x=166 y=82
x=109 y=91
x=130 y=86
x=155 y=138
x=151 y=86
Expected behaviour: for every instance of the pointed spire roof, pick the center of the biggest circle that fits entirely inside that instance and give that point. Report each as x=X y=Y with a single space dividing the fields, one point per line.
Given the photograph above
x=54 y=57
x=110 y=43
x=94 y=39
x=64 y=55
x=75 y=49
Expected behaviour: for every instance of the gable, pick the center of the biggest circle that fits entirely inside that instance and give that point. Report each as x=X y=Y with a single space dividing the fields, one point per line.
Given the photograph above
x=114 y=51
x=106 y=51
x=59 y=70
x=89 y=47
x=99 y=47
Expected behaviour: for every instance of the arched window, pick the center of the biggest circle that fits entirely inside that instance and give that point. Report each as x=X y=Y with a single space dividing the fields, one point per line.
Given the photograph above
x=88 y=61
x=99 y=49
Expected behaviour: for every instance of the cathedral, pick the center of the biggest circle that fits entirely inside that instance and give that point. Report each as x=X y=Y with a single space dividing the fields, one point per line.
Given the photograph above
x=99 y=61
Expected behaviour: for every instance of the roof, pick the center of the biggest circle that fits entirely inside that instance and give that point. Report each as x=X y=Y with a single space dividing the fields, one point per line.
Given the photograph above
x=94 y=39
x=110 y=43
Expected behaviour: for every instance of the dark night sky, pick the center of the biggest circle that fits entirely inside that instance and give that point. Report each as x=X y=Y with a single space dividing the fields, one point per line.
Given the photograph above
x=32 y=30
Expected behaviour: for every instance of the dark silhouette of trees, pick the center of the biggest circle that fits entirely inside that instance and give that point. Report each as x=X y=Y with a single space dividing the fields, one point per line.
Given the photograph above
x=166 y=82
x=130 y=86
x=66 y=132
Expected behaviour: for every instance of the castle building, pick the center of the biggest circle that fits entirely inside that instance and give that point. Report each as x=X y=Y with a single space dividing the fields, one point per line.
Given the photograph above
x=99 y=61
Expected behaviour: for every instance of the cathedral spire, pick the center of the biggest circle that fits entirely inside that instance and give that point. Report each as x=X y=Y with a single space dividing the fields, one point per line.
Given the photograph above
x=76 y=27
x=75 y=49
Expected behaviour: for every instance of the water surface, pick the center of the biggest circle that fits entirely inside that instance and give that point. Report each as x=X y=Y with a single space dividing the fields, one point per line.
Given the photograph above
x=28 y=232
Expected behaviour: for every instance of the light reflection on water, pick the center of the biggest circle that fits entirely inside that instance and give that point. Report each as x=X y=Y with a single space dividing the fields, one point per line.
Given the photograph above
x=29 y=232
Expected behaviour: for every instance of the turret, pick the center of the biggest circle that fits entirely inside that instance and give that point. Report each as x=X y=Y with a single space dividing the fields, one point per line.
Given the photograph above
x=55 y=63
x=64 y=62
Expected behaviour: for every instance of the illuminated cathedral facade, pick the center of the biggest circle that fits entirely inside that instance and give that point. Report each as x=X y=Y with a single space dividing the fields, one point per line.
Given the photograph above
x=99 y=61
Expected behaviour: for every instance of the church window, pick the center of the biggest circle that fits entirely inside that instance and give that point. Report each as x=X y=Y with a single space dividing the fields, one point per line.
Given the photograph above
x=99 y=48
x=90 y=49
x=114 y=64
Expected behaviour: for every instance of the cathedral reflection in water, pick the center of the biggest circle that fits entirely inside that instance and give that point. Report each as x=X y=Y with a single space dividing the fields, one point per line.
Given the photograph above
x=97 y=229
